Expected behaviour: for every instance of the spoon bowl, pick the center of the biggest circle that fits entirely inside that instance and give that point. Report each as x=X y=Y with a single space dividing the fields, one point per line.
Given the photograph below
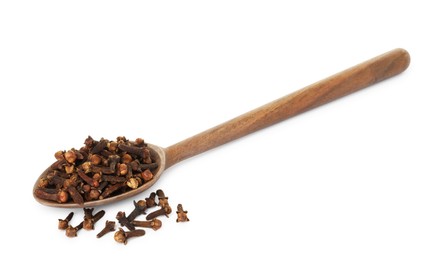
x=157 y=153
x=338 y=85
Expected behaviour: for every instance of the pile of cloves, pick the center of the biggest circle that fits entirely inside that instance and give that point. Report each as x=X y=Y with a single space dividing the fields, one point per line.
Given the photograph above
x=129 y=221
x=98 y=170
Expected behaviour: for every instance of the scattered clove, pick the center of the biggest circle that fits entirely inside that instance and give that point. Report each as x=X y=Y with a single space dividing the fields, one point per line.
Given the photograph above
x=90 y=219
x=155 y=224
x=181 y=214
x=150 y=201
x=110 y=226
x=63 y=223
x=140 y=208
x=122 y=219
x=129 y=222
x=73 y=231
x=163 y=201
x=157 y=213
x=121 y=236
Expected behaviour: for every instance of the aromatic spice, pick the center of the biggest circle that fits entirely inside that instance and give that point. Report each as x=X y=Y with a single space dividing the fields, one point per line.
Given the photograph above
x=121 y=236
x=48 y=194
x=98 y=170
x=140 y=208
x=90 y=219
x=150 y=201
x=129 y=222
x=73 y=231
x=122 y=219
x=163 y=201
x=63 y=223
x=181 y=214
x=110 y=226
x=155 y=224
x=157 y=213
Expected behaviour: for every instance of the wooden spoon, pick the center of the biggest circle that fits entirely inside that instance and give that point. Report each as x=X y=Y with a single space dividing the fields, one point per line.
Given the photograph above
x=319 y=93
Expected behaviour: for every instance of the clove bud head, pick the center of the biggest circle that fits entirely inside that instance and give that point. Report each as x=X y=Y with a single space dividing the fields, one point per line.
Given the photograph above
x=71 y=231
x=120 y=236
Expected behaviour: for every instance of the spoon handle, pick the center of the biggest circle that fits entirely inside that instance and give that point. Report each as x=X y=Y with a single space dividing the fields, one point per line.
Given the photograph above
x=317 y=94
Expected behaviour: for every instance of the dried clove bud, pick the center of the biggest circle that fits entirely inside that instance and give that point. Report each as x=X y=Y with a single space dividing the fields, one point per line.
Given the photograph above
x=63 y=223
x=150 y=201
x=121 y=236
x=110 y=189
x=147 y=175
x=61 y=196
x=157 y=213
x=99 y=146
x=155 y=224
x=94 y=194
x=73 y=231
x=113 y=161
x=122 y=219
x=139 y=209
x=142 y=152
x=163 y=201
x=90 y=219
x=181 y=214
x=110 y=226
x=139 y=142
x=70 y=156
x=87 y=179
x=95 y=159
x=112 y=146
x=89 y=142
x=132 y=183
x=126 y=158
x=69 y=168
x=75 y=195
x=43 y=183
x=59 y=155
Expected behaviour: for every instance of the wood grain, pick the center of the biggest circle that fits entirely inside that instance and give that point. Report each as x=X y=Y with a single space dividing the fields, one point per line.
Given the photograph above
x=317 y=94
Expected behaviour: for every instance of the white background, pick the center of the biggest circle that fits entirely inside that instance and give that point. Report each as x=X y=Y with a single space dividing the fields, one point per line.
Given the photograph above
x=361 y=178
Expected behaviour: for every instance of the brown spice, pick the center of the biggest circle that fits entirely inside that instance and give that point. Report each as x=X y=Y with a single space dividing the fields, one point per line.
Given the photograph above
x=122 y=219
x=90 y=219
x=63 y=223
x=110 y=226
x=129 y=165
x=121 y=236
x=150 y=201
x=73 y=231
x=157 y=213
x=181 y=214
x=60 y=197
x=139 y=209
x=155 y=224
